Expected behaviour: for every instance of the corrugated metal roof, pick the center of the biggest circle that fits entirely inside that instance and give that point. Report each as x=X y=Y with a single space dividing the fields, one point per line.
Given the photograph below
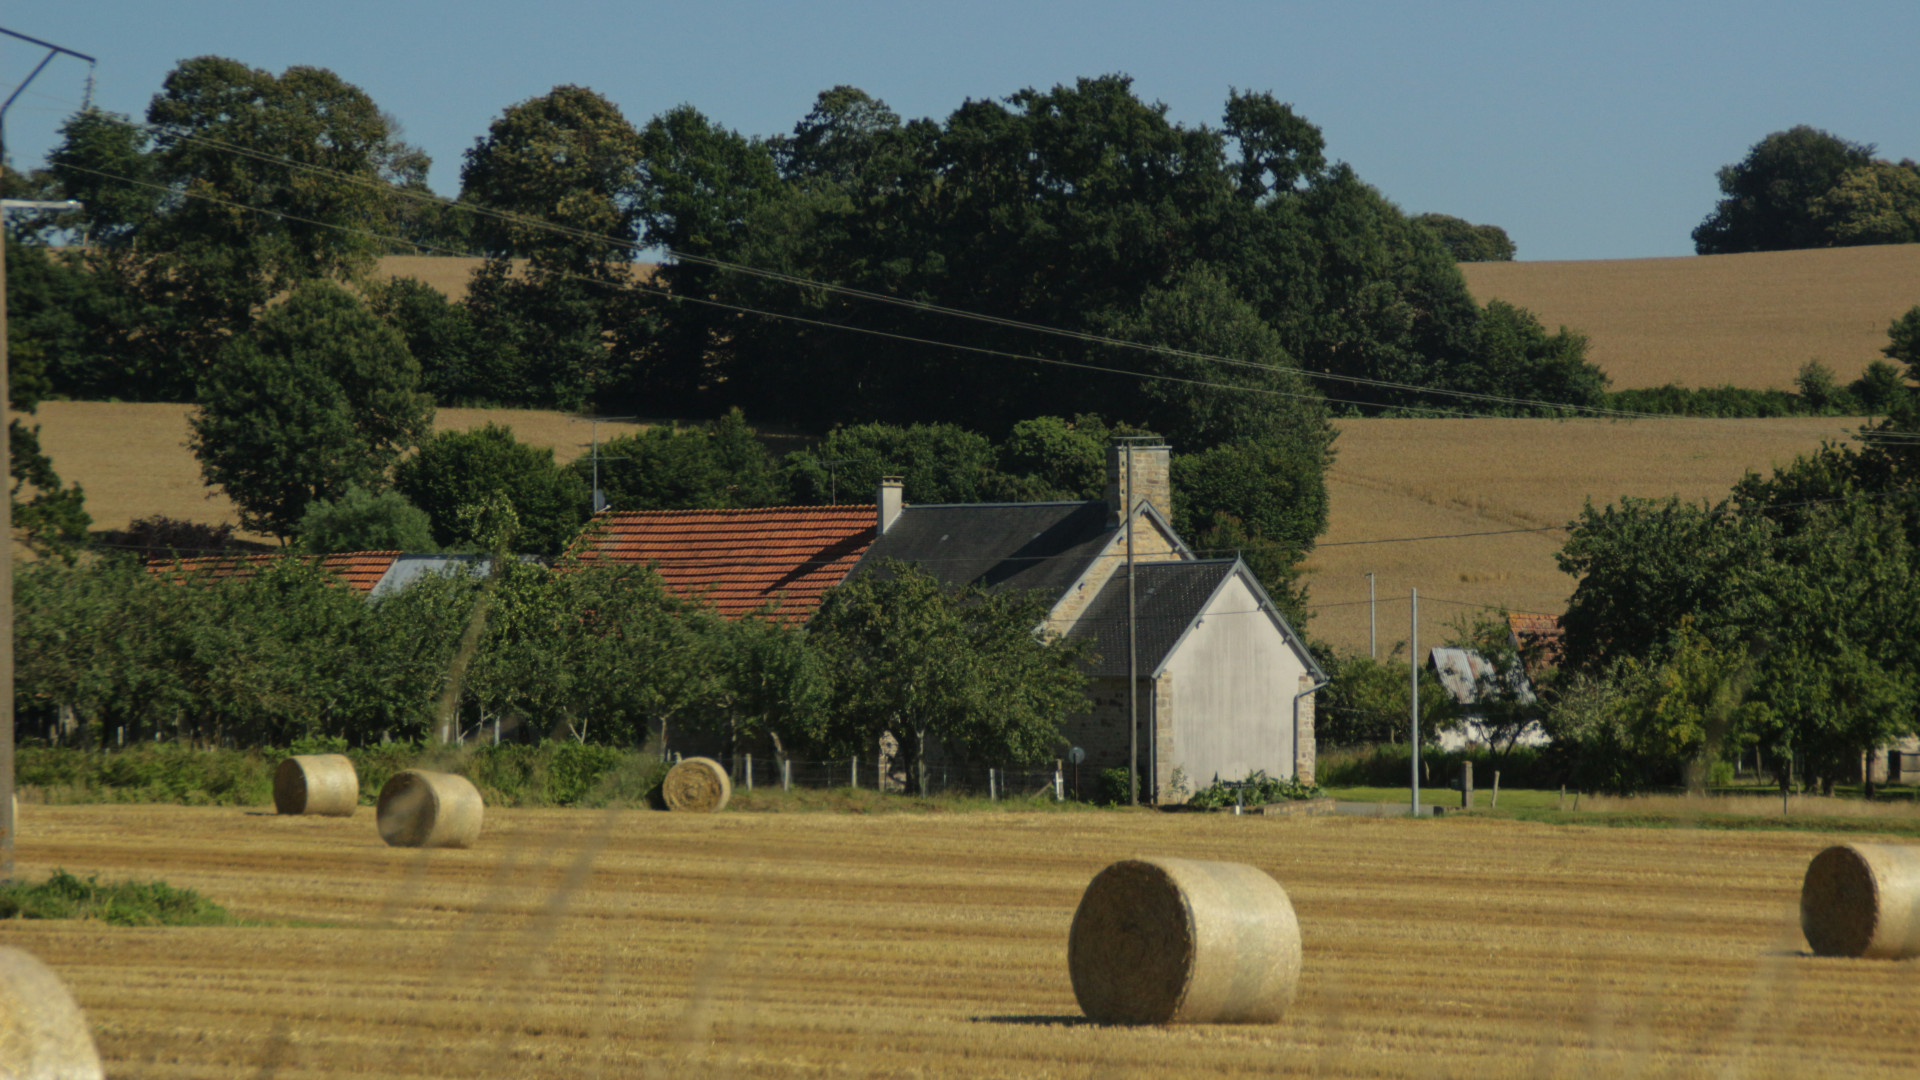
x=1463 y=672
x=738 y=560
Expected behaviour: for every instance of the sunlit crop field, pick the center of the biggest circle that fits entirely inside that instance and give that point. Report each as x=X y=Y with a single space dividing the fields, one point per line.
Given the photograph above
x=1745 y=320
x=1421 y=478
x=619 y=944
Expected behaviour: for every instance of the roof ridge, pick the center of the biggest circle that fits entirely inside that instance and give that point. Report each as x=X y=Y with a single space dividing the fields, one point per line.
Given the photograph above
x=608 y=514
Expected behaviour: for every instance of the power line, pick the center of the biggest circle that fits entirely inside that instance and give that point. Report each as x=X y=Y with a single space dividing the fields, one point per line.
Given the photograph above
x=850 y=291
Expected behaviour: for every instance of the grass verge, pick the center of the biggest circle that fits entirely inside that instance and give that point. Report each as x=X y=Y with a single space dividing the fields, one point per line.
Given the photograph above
x=122 y=903
x=1898 y=815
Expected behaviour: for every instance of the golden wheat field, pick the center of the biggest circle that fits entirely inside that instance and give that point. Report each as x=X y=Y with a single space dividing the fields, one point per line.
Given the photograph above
x=133 y=460
x=1420 y=478
x=578 y=944
x=1391 y=479
x=1745 y=320
x=451 y=274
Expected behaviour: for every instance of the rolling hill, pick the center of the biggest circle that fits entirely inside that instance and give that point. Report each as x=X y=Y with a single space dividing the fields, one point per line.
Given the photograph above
x=1710 y=320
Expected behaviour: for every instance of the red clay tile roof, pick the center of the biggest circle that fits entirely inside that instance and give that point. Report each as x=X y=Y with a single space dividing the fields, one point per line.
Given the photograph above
x=738 y=560
x=360 y=569
x=1539 y=633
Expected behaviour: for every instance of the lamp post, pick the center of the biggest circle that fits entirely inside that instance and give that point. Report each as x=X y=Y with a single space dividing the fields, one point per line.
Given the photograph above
x=6 y=561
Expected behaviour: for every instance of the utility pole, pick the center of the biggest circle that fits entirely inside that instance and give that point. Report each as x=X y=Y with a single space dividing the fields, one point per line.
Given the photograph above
x=1413 y=669
x=6 y=555
x=1133 y=650
x=599 y=500
x=1373 y=637
x=52 y=51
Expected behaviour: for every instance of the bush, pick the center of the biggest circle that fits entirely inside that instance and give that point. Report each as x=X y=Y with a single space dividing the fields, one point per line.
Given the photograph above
x=126 y=903
x=1112 y=786
x=1257 y=789
x=1390 y=766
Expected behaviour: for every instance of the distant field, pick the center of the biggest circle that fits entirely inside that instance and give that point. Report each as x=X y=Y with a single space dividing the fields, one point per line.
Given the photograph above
x=1411 y=478
x=133 y=461
x=1392 y=478
x=1744 y=320
x=573 y=943
x=450 y=274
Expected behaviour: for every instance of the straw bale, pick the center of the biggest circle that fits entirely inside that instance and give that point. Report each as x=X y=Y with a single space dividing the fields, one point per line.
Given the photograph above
x=43 y=1034
x=1863 y=900
x=418 y=808
x=1161 y=941
x=697 y=785
x=316 y=784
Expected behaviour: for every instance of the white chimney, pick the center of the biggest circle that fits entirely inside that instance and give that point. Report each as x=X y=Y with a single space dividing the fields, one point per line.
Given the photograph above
x=888 y=501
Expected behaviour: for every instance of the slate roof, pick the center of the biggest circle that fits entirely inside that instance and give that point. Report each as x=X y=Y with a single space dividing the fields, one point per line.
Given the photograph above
x=360 y=569
x=1169 y=596
x=1462 y=672
x=407 y=569
x=1044 y=546
x=738 y=560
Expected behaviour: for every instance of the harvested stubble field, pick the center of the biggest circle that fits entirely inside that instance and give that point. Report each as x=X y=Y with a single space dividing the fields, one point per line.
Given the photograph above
x=133 y=461
x=1742 y=320
x=586 y=944
x=1420 y=478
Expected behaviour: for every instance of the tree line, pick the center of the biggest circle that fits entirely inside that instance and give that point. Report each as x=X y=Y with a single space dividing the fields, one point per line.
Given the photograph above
x=1808 y=188
x=601 y=655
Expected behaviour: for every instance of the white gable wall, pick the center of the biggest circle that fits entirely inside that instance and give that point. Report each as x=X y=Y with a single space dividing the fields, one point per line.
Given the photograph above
x=1232 y=682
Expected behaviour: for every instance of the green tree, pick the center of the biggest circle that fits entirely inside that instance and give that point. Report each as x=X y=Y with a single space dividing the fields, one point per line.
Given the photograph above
x=362 y=520
x=770 y=682
x=1877 y=203
x=320 y=396
x=1469 y=242
x=721 y=464
x=924 y=662
x=263 y=182
x=939 y=463
x=50 y=516
x=459 y=364
x=1768 y=197
x=456 y=469
x=558 y=174
x=1264 y=500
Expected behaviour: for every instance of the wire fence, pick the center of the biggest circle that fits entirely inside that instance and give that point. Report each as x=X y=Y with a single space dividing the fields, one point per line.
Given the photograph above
x=1055 y=780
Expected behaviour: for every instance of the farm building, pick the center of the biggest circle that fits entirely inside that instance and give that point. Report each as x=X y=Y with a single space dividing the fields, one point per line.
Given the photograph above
x=1471 y=680
x=1224 y=686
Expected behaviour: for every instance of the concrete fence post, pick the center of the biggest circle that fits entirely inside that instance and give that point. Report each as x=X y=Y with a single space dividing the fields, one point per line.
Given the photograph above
x=749 y=772
x=786 y=774
x=854 y=770
x=1059 y=782
x=993 y=788
x=1466 y=785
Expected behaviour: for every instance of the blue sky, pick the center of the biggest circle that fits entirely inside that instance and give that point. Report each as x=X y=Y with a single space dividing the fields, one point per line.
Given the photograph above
x=1587 y=134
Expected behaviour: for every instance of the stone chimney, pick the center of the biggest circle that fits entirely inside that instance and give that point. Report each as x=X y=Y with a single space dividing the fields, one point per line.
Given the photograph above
x=1152 y=477
x=888 y=502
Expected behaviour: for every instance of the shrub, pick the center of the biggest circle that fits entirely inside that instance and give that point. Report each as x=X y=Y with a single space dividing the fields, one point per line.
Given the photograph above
x=1257 y=789
x=126 y=903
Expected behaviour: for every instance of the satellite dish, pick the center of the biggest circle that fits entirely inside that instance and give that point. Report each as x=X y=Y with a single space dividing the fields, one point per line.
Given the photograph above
x=1076 y=755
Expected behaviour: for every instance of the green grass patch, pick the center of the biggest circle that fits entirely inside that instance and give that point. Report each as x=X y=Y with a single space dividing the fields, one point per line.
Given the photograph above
x=123 y=903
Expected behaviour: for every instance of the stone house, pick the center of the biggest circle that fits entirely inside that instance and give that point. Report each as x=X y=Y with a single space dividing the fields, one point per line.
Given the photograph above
x=1224 y=687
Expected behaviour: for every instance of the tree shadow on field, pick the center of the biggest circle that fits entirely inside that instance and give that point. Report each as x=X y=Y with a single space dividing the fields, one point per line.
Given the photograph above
x=1037 y=1020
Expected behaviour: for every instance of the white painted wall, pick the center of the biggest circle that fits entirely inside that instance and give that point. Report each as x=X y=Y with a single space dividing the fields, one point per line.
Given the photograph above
x=1233 y=683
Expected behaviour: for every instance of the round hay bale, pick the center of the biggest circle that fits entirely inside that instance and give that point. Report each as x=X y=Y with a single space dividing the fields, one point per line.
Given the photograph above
x=1166 y=941
x=316 y=784
x=1863 y=900
x=43 y=1034
x=697 y=785
x=418 y=808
